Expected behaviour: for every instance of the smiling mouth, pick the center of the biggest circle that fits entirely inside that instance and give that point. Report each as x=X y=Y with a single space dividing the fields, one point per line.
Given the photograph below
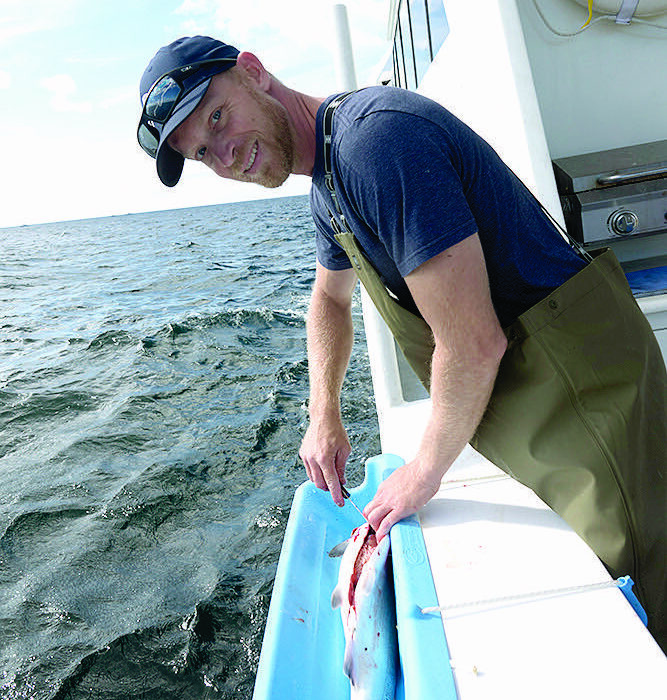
x=251 y=157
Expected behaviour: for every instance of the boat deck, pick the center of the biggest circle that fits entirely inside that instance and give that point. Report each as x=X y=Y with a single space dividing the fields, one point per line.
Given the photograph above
x=489 y=537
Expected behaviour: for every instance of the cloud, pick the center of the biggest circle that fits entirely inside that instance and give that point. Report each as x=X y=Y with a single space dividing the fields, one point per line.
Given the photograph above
x=300 y=24
x=62 y=87
x=190 y=7
x=294 y=40
x=20 y=17
x=5 y=80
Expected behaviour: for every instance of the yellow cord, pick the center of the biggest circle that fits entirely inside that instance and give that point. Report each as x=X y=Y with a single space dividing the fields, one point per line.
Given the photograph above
x=590 y=13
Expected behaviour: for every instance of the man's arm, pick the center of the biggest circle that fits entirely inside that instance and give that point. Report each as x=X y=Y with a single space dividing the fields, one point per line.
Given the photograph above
x=451 y=291
x=325 y=447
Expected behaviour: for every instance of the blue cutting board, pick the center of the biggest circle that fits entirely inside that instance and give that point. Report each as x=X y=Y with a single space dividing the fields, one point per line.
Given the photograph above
x=302 y=651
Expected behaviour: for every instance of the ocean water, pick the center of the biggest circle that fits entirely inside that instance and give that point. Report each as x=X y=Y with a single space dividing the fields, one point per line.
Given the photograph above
x=153 y=389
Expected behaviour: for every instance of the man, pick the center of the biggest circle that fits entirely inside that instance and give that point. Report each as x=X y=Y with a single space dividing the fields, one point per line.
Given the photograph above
x=453 y=249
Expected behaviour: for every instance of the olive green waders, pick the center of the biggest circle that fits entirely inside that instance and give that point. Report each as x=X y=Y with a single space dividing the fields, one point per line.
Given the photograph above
x=577 y=414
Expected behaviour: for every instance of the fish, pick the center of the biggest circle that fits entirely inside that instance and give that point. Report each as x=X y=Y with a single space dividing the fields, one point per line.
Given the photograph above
x=364 y=593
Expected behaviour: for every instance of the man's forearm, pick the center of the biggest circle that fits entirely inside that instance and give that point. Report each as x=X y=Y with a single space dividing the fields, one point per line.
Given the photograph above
x=325 y=446
x=330 y=336
x=460 y=391
x=453 y=295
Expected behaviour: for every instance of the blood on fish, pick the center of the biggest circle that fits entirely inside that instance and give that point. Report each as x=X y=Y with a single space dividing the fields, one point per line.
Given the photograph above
x=365 y=553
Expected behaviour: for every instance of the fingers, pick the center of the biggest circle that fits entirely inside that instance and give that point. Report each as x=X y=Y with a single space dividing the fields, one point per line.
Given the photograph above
x=387 y=523
x=339 y=464
x=383 y=517
x=334 y=476
x=333 y=486
x=314 y=474
x=327 y=473
x=375 y=517
x=397 y=497
x=324 y=451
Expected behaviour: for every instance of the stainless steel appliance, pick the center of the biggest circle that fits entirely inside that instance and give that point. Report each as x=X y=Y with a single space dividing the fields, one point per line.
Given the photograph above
x=612 y=197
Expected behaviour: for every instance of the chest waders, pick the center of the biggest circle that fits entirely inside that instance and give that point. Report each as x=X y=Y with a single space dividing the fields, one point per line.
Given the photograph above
x=577 y=412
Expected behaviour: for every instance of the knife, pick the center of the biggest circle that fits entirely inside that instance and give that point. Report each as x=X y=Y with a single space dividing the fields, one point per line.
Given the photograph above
x=346 y=495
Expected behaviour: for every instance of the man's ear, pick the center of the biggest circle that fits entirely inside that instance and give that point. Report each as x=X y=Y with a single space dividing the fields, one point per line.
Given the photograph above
x=254 y=69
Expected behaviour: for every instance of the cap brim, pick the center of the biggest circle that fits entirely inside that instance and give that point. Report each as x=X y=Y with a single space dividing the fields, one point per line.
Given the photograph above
x=169 y=163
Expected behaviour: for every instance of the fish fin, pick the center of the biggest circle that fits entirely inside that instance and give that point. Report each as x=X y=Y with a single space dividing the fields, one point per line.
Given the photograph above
x=337 y=597
x=339 y=549
x=349 y=668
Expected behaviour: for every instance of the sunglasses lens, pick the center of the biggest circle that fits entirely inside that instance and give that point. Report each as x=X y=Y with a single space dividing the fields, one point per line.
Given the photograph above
x=148 y=139
x=162 y=98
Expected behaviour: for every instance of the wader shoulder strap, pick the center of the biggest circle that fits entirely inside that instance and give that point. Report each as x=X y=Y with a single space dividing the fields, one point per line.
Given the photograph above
x=328 y=170
x=583 y=253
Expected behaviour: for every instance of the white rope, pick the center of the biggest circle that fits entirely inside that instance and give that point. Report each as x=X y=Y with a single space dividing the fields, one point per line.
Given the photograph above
x=526 y=596
x=469 y=481
x=649 y=24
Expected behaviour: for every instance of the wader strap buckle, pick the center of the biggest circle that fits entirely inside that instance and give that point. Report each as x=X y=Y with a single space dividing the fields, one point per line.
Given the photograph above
x=334 y=225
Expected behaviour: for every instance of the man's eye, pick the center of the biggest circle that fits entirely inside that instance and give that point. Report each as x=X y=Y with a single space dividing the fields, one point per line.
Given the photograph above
x=216 y=115
x=201 y=152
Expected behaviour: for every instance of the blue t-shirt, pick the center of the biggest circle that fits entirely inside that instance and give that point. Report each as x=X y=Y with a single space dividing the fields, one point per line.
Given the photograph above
x=413 y=180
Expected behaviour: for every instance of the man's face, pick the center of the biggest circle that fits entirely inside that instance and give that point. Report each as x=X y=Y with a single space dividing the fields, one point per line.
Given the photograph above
x=239 y=131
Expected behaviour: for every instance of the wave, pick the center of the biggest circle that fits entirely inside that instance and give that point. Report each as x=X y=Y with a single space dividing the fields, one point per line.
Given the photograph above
x=29 y=525
x=169 y=658
x=209 y=653
x=40 y=406
x=237 y=318
x=258 y=318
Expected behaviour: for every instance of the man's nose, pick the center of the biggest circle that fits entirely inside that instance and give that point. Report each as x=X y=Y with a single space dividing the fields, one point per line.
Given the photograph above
x=224 y=150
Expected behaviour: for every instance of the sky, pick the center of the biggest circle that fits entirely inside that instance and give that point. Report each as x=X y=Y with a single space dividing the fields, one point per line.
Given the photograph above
x=69 y=94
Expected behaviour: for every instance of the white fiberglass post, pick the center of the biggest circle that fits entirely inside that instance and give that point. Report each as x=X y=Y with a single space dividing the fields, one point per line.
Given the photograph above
x=345 y=73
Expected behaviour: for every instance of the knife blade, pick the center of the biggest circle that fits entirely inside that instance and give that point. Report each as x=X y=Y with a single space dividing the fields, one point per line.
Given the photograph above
x=346 y=496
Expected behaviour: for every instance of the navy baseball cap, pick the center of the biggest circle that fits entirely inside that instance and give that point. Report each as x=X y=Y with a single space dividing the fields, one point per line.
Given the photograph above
x=171 y=88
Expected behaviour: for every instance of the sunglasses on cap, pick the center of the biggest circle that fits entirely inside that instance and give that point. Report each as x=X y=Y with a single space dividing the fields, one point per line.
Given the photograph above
x=164 y=96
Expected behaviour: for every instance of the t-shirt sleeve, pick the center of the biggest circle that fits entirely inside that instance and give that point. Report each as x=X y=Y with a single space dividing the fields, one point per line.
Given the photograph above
x=329 y=252
x=404 y=173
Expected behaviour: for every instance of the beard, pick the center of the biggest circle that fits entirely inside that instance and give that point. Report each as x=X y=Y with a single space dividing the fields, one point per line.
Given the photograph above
x=276 y=141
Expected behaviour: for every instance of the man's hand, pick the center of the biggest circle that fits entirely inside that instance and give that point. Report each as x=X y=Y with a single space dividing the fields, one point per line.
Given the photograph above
x=324 y=451
x=400 y=495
